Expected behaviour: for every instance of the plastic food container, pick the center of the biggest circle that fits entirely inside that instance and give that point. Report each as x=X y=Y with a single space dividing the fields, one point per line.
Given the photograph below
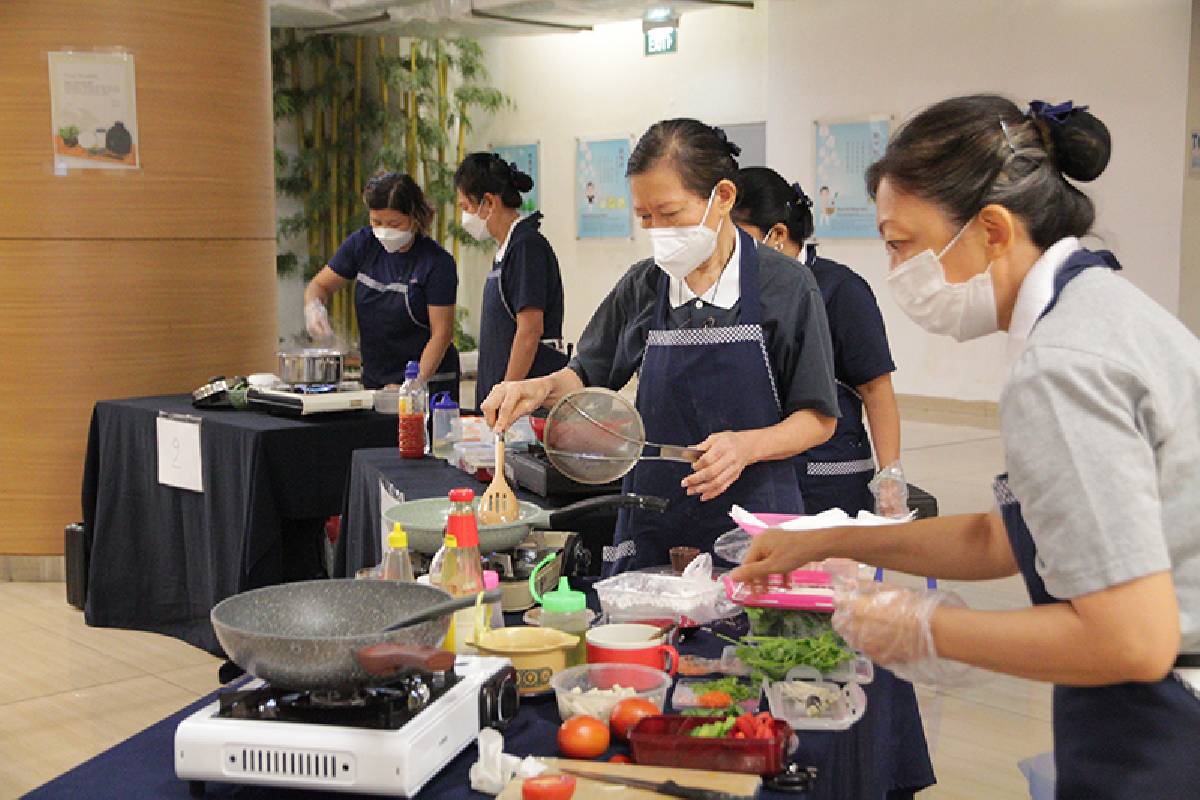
x=686 y=696
x=634 y=680
x=793 y=706
x=643 y=595
x=664 y=742
x=858 y=670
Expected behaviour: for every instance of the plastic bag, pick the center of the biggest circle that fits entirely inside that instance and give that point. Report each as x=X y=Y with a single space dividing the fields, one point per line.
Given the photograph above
x=890 y=490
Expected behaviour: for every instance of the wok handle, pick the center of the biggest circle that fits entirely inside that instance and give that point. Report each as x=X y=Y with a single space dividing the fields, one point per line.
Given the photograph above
x=638 y=501
x=385 y=658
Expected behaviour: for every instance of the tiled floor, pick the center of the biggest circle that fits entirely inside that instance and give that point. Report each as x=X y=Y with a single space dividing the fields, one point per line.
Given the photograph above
x=64 y=686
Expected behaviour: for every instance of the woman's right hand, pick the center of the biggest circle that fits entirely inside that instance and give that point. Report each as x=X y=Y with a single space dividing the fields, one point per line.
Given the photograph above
x=316 y=319
x=777 y=553
x=508 y=401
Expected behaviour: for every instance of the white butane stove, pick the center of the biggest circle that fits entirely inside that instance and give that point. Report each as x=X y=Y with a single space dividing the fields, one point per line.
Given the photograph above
x=296 y=403
x=388 y=740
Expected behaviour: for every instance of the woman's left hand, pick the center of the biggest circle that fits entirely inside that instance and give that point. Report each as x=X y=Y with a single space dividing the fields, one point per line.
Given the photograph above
x=726 y=454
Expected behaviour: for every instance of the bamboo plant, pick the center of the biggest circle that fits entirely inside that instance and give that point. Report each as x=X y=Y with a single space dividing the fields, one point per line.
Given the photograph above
x=408 y=109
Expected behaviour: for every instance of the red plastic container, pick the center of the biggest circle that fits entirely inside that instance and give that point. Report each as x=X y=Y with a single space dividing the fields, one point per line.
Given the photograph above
x=664 y=742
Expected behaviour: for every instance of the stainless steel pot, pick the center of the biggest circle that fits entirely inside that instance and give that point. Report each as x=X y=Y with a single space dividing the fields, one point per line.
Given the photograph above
x=311 y=365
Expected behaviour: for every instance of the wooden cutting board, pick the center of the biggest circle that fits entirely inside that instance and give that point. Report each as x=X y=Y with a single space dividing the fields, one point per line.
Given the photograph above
x=741 y=785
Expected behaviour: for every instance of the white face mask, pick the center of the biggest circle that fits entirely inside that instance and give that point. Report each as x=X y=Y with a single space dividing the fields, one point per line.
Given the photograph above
x=392 y=239
x=678 y=251
x=962 y=310
x=476 y=225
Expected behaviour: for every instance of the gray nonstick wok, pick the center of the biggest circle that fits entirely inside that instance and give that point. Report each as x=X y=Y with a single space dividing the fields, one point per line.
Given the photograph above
x=425 y=520
x=334 y=634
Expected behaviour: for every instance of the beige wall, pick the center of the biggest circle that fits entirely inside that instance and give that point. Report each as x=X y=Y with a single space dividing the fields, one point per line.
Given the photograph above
x=1189 y=243
x=114 y=285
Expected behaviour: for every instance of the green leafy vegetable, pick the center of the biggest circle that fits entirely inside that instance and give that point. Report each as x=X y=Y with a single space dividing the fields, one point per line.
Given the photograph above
x=784 y=622
x=714 y=730
x=773 y=656
x=730 y=685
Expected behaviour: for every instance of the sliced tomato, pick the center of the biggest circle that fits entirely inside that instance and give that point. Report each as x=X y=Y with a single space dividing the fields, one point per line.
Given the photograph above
x=548 y=787
x=620 y=758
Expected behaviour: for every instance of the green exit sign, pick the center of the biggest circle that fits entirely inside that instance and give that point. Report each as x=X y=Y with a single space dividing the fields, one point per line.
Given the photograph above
x=661 y=40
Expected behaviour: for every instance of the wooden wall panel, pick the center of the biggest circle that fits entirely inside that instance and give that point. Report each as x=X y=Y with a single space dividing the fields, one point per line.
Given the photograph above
x=204 y=120
x=132 y=283
x=99 y=320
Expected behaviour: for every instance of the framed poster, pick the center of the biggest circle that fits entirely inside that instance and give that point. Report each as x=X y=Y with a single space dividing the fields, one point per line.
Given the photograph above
x=525 y=158
x=603 y=206
x=93 y=110
x=843 y=151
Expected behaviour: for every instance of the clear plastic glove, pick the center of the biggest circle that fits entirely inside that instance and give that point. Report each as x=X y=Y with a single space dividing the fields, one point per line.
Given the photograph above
x=891 y=491
x=316 y=320
x=891 y=625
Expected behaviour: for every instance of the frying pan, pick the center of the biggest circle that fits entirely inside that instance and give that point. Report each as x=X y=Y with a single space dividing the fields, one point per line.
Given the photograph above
x=425 y=520
x=331 y=634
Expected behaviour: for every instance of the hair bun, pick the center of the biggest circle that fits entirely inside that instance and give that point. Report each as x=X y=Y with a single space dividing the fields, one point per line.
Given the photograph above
x=1080 y=143
x=801 y=198
x=731 y=147
x=521 y=181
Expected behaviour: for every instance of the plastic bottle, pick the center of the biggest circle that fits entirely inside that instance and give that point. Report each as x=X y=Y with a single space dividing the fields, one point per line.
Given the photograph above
x=563 y=609
x=491 y=580
x=444 y=411
x=413 y=405
x=461 y=570
x=397 y=563
x=442 y=570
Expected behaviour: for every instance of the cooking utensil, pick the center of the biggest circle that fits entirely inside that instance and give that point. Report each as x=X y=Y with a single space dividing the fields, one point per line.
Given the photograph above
x=446 y=607
x=596 y=435
x=311 y=365
x=331 y=634
x=425 y=520
x=669 y=787
x=498 y=505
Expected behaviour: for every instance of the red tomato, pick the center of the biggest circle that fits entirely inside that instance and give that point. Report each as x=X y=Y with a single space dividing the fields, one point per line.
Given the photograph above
x=627 y=713
x=548 y=787
x=620 y=759
x=583 y=737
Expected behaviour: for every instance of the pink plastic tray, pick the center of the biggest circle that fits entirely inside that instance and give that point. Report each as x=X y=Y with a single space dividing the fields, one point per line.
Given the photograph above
x=807 y=590
x=771 y=521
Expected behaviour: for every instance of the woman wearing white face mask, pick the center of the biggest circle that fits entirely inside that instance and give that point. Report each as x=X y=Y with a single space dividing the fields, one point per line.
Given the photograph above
x=1100 y=508
x=730 y=343
x=520 y=319
x=838 y=473
x=405 y=290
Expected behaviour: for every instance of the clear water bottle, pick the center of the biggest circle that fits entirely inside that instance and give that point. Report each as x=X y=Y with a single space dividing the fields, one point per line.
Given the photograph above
x=444 y=412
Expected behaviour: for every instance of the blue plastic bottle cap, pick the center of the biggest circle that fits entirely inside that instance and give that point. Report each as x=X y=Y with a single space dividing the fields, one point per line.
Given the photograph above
x=412 y=370
x=442 y=401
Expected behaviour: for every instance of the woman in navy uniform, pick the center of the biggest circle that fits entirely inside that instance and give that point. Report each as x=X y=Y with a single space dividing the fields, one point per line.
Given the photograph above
x=405 y=289
x=730 y=343
x=838 y=473
x=1100 y=508
x=520 y=322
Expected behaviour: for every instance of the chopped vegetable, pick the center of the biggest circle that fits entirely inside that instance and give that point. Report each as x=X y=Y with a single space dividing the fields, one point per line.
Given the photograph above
x=817 y=700
x=786 y=622
x=714 y=699
x=737 y=690
x=746 y=726
x=714 y=730
x=594 y=702
x=773 y=656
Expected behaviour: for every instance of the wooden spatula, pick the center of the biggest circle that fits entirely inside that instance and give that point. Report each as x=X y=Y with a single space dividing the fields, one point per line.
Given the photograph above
x=498 y=504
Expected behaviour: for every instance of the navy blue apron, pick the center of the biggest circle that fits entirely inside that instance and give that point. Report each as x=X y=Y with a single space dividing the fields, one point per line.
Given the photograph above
x=1129 y=740
x=498 y=328
x=393 y=324
x=837 y=474
x=695 y=382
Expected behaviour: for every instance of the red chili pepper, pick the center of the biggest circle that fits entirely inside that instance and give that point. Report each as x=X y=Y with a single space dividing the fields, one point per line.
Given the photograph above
x=764 y=726
x=746 y=725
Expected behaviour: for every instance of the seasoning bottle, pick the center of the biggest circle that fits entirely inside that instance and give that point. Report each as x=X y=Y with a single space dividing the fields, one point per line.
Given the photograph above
x=563 y=609
x=412 y=403
x=397 y=563
x=442 y=570
x=468 y=576
x=444 y=411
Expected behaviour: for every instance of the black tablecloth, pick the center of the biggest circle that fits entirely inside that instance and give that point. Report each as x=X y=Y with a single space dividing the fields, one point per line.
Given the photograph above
x=159 y=557
x=861 y=763
x=361 y=542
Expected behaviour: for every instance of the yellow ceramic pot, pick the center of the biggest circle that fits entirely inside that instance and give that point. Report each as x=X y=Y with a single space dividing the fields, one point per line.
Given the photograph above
x=537 y=654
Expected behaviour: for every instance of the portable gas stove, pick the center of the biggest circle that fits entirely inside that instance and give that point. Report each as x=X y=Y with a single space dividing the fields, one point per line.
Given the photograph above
x=304 y=401
x=387 y=740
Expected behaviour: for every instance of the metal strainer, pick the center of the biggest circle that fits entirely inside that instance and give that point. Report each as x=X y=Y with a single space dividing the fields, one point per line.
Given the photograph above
x=596 y=436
